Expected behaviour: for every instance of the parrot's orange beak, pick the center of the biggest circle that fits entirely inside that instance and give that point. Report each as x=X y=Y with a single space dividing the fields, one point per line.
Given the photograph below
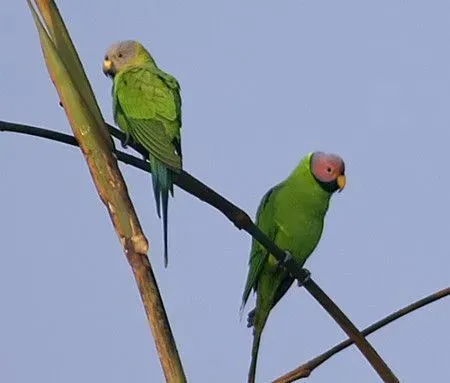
x=108 y=69
x=341 y=181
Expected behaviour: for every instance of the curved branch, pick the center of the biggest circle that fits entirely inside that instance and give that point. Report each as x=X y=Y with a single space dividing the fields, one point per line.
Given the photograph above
x=243 y=222
x=305 y=369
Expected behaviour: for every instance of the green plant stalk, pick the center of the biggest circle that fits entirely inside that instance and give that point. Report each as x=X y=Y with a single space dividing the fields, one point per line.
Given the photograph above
x=89 y=129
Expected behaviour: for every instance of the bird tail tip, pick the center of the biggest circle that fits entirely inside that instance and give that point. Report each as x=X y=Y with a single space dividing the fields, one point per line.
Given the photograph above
x=255 y=350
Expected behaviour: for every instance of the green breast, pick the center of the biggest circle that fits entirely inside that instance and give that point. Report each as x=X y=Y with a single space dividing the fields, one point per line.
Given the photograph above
x=299 y=218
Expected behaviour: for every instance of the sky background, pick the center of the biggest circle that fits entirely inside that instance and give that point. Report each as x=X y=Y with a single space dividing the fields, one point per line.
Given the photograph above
x=263 y=83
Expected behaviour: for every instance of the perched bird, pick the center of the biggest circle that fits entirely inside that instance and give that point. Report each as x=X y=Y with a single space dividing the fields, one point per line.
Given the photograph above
x=147 y=107
x=292 y=215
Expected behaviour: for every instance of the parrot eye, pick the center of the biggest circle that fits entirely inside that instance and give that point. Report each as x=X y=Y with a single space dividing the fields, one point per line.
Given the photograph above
x=106 y=57
x=120 y=55
x=329 y=170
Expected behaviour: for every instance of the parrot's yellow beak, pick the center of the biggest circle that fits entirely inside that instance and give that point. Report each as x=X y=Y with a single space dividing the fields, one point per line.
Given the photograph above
x=341 y=181
x=108 y=67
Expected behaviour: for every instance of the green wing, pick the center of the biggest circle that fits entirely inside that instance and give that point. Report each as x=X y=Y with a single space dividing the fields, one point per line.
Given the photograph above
x=147 y=104
x=258 y=255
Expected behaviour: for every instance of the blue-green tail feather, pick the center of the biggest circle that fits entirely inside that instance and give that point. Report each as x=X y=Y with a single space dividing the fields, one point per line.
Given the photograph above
x=156 y=191
x=165 y=203
x=162 y=186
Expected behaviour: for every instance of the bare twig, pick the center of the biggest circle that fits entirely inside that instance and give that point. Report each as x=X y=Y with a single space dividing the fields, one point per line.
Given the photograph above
x=242 y=221
x=305 y=369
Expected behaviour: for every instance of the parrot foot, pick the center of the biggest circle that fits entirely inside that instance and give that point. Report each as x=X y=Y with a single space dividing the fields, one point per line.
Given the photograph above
x=126 y=141
x=306 y=279
x=287 y=258
x=251 y=318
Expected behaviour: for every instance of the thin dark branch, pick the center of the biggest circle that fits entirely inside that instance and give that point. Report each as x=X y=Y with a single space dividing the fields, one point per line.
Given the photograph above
x=242 y=221
x=37 y=132
x=305 y=369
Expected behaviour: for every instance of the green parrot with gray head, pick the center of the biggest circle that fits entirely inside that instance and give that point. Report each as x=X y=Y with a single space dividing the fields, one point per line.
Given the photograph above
x=292 y=215
x=147 y=107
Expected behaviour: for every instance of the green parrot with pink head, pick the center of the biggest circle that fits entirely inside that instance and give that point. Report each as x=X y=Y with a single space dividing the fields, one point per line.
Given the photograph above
x=147 y=107
x=292 y=215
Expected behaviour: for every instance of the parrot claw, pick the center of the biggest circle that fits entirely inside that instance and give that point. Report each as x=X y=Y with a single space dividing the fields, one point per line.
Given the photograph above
x=251 y=318
x=306 y=279
x=126 y=141
x=287 y=258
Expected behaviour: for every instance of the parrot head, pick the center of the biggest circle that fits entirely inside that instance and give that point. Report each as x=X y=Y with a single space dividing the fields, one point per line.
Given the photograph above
x=328 y=170
x=125 y=54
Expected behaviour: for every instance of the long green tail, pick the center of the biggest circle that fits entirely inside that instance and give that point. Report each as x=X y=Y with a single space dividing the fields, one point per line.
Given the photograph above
x=255 y=350
x=259 y=319
x=162 y=185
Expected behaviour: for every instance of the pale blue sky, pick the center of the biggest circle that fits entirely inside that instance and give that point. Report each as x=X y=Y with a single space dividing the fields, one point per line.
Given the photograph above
x=263 y=84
